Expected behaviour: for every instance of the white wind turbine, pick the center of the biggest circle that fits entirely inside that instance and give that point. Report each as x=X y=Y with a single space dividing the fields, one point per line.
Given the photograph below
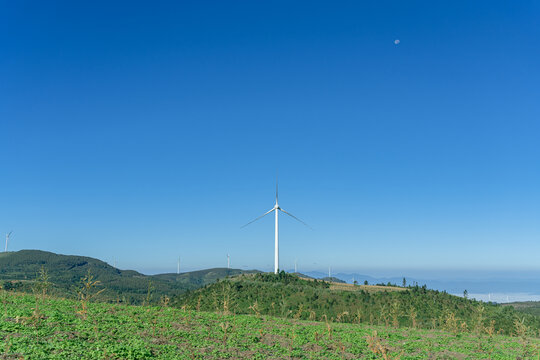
x=7 y=239
x=276 y=209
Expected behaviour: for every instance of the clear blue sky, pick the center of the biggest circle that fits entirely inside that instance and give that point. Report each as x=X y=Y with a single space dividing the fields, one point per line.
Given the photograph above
x=139 y=132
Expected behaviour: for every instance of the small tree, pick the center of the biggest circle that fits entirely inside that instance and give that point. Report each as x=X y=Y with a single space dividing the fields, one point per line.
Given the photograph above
x=365 y=282
x=42 y=283
x=404 y=283
x=465 y=294
x=86 y=292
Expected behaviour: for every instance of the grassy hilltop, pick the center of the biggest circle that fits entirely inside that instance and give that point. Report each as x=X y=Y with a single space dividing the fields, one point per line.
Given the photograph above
x=287 y=295
x=41 y=327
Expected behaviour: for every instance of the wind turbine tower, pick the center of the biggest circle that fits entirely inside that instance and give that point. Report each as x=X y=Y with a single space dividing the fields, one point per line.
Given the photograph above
x=295 y=267
x=7 y=239
x=178 y=266
x=228 y=261
x=276 y=209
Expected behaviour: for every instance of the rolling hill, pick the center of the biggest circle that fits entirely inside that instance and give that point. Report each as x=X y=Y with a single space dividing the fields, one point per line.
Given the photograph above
x=249 y=292
x=287 y=295
x=20 y=270
x=201 y=277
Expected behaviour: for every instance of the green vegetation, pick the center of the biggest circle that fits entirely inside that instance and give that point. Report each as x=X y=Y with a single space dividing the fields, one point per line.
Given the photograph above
x=19 y=270
x=286 y=295
x=40 y=327
x=527 y=307
x=257 y=315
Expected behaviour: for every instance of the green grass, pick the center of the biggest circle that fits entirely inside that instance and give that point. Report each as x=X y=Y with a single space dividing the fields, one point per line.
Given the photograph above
x=50 y=328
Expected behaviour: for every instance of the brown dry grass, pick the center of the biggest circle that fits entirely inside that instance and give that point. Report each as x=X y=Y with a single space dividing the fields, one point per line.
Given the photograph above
x=368 y=288
x=335 y=285
x=351 y=287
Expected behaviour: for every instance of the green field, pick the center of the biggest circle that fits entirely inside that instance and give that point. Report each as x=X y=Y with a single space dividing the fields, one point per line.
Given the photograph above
x=41 y=327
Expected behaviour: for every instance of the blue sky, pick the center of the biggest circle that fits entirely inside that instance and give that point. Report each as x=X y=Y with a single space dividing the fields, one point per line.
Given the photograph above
x=137 y=133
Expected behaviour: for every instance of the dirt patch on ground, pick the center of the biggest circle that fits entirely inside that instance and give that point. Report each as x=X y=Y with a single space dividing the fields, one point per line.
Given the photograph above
x=159 y=341
x=271 y=339
x=312 y=347
x=447 y=355
x=181 y=326
x=69 y=335
x=11 y=356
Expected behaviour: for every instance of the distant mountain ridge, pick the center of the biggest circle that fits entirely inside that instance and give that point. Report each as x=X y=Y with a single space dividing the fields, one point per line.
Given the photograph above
x=20 y=270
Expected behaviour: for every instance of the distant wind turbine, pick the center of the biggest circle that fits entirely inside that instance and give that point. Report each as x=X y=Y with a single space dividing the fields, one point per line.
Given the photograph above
x=178 y=266
x=276 y=209
x=7 y=239
x=228 y=261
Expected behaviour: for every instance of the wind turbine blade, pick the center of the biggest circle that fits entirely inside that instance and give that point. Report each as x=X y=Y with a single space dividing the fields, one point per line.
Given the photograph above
x=297 y=219
x=252 y=221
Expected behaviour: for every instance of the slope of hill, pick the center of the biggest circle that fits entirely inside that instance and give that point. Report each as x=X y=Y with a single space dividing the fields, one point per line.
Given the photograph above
x=20 y=270
x=64 y=329
x=202 y=277
x=65 y=272
x=287 y=295
x=528 y=307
